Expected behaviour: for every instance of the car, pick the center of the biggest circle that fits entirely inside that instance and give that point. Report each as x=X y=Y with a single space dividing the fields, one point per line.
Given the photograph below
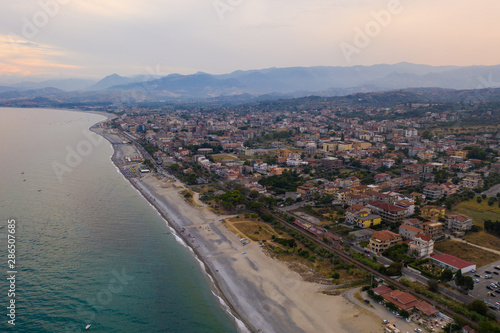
x=476 y=280
x=477 y=275
x=493 y=295
x=473 y=271
x=497 y=267
x=385 y=321
x=489 y=288
x=418 y=330
x=496 y=273
x=367 y=301
x=497 y=291
x=487 y=272
x=493 y=285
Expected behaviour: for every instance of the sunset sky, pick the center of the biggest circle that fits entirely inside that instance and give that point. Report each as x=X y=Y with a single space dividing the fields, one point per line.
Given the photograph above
x=95 y=38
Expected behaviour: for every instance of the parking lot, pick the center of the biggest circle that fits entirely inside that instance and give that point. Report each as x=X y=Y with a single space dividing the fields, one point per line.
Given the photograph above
x=480 y=289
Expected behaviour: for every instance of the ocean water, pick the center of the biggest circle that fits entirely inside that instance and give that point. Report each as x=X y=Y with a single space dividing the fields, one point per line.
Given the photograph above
x=89 y=248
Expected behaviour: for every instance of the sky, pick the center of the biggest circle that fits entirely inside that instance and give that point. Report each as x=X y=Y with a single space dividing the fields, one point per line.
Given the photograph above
x=41 y=39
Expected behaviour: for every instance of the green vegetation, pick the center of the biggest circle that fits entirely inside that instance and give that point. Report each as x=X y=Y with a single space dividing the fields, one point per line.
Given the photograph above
x=398 y=253
x=492 y=227
x=286 y=182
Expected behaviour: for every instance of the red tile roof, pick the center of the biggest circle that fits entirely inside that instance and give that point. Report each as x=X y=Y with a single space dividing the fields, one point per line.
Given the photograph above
x=452 y=261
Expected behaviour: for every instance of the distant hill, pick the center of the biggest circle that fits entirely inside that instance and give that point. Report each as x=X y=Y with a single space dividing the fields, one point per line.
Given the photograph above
x=276 y=83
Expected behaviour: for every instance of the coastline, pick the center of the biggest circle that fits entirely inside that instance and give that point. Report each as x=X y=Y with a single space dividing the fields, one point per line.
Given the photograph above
x=261 y=293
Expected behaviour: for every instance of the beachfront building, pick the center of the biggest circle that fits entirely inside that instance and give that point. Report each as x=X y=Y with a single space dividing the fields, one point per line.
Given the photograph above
x=453 y=263
x=382 y=240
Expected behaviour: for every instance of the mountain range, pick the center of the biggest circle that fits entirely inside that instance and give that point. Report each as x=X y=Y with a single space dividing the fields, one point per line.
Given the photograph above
x=260 y=84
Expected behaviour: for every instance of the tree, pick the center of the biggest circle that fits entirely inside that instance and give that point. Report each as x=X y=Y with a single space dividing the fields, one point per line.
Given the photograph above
x=478 y=306
x=253 y=194
x=405 y=314
x=433 y=285
x=446 y=275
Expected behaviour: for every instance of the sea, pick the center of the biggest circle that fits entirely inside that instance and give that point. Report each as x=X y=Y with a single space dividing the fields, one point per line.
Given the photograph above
x=85 y=247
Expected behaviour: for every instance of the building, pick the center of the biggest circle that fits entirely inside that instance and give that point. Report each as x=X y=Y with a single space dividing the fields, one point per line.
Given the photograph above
x=409 y=232
x=331 y=162
x=433 y=229
x=432 y=212
x=453 y=263
x=458 y=223
x=422 y=245
x=306 y=190
x=433 y=191
x=401 y=299
x=360 y=235
x=389 y=213
x=362 y=217
x=472 y=181
x=382 y=240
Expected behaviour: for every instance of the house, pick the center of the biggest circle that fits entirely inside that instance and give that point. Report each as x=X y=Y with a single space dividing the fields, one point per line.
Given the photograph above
x=449 y=188
x=360 y=235
x=432 y=212
x=433 y=229
x=453 y=263
x=413 y=222
x=458 y=222
x=422 y=245
x=433 y=191
x=389 y=213
x=401 y=299
x=409 y=232
x=331 y=162
x=306 y=190
x=382 y=240
x=472 y=181
x=361 y=216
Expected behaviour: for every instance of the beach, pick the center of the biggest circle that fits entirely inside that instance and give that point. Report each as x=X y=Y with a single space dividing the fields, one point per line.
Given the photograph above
x=263 y=293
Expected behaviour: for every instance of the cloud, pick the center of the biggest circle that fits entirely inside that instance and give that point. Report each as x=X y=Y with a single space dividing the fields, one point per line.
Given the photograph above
x=101 y=37
x=27 y=58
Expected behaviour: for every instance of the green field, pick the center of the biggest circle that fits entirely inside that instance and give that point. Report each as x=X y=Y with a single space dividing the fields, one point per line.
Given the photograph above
x=478 y=211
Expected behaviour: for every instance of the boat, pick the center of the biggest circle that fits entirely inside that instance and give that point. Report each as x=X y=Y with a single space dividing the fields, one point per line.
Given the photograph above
x=87 y=327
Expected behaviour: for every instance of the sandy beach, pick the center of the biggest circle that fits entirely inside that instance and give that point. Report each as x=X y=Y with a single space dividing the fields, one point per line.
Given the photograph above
x=264 y=293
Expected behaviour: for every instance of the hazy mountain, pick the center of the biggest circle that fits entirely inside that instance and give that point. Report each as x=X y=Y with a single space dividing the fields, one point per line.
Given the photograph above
x=30 y=93
x=63 y=84
x=284 y=82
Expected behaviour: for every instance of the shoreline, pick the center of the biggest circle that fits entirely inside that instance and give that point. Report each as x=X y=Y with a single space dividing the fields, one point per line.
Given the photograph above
x=261 y=293
x=215 y=288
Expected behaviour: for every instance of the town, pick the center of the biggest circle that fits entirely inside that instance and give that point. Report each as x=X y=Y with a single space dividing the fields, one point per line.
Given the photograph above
x=401 y=200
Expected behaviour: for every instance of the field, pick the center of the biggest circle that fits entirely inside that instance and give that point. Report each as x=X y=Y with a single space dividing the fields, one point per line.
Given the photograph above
x=467 y=252
x=478 y=211
x=482 y=238
x=316 y=270
x=220 y=157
